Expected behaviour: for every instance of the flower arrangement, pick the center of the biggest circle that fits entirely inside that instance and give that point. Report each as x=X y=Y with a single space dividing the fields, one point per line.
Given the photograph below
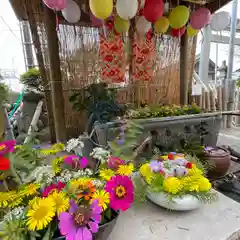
x=175 y=175
x=65 y=199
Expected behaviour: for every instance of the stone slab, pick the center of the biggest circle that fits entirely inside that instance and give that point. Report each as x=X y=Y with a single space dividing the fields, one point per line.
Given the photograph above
x=217 y=221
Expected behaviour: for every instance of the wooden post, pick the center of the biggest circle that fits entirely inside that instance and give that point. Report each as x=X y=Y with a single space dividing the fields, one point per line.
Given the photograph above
x=56 y=78
x=184 y=70
x=45 y=80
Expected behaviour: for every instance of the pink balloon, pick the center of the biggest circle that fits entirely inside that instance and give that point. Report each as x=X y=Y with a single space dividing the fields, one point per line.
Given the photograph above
x=96 y=22
x=56 y=5
x=200 y=18
x=153 y=10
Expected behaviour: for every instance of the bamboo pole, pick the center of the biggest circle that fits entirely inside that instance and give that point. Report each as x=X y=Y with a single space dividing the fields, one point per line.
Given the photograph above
x=56 y=78
x=45 y=80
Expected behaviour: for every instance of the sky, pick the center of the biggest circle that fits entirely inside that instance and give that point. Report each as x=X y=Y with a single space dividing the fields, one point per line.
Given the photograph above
x=11 y=51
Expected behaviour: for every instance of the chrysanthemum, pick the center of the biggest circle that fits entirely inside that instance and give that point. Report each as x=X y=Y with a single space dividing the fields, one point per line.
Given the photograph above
x=30 y=189
x=106 y=174
x=121 y=191
x=195 y=171
x=125 y=170
x=147 y=173
x=172 y=185
x=40 y=214
x=190 y=183
x=61 y=201
x=6 y=197
x=102 y=197
x=204 y=184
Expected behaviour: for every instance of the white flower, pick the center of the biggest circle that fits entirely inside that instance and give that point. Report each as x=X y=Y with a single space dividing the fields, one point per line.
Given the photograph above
x=100 y=154
x=16 y=213
x=74 y=143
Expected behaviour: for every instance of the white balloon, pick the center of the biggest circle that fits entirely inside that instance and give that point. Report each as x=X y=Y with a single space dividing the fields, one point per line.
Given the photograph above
x=220 y=21
x=72 y=12
x=142 y=25
x=127 y=9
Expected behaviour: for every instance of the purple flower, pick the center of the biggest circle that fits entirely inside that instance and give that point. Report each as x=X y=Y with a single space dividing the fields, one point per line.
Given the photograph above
x=76 y=161
x=80 y=222
x=156 y=166
x=208 y=148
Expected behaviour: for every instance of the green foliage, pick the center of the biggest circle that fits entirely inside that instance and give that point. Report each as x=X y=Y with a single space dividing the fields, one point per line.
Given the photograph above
x=140 y=190
x=87 y=98
x=3 y=92
x=163 y=111
x=31 y=77
x=238 y=83
x=157 y=183
x=205 y=197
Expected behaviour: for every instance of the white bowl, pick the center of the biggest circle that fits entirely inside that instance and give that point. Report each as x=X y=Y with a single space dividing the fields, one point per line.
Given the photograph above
x=185 y=203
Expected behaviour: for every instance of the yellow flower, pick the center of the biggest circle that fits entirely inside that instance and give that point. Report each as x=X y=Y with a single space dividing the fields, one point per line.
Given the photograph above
x=106 y=174
x=15 y=203
x=56 y=164
x=61 y=201
x=6 y=197
x=172 y=185
x=40 y=214
x=125 y=170
x=76 y=185
x=195 y=171
x=204 y=184
x=147 y=173
x=102 y=197
x=47 y=152
x=165 y=157
x=58 y=146
x=29 y=189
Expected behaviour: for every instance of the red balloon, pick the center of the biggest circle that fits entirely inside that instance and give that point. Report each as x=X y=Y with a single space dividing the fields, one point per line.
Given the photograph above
x=153 y=10
x=178 y=32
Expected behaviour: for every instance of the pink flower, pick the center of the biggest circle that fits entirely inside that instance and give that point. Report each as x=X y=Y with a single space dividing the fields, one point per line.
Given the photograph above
x=121 y=191
x=48 y=190
x=80 y=222
x=115 y=162
x=7 y=146
x=76 y=161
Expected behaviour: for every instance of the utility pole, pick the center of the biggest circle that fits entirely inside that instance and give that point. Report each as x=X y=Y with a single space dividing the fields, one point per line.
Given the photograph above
x=27 y=45
x=230 y=85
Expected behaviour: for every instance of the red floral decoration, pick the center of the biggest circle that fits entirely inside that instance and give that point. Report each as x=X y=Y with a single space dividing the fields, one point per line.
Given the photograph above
x=4 y=163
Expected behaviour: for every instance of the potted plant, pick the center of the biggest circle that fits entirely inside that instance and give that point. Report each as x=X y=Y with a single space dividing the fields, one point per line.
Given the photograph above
x=174 y=181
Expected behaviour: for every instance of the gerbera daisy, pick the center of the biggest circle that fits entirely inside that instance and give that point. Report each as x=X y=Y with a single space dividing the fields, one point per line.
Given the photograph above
x=61 y=201
x=80 y=222
x=40 y=214
x=125 y=170
x=106 y=174
x=30 y=189
x=102 y=197
x=121 y=190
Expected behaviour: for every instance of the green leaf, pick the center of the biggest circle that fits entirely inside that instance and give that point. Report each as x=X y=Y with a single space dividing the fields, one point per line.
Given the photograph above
x=48 y=234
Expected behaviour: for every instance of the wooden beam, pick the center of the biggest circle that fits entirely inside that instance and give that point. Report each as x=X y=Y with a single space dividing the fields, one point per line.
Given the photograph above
x=55 y=71
x=215 y=5
x=184 y=69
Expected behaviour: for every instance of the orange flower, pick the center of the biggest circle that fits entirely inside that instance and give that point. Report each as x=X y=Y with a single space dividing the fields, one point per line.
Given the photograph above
x=87 y=190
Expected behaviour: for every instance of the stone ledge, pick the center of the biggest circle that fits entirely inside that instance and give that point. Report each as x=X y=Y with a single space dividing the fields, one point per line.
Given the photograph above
x=217 y=221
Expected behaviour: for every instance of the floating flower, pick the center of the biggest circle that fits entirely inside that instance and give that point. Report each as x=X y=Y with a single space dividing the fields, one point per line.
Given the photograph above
x=40 y=214
x=80 y=222
x=147 y=173
x=30 y=189
x=172 y=185
x=102 y=197
x=121 y=193
x=115 y=162
x=76 y=161
x=59 y=186
x=7 y=146
x=4 y=163
x=125 y=170
x=156 y=166
x=106 y=174
x=61 y=201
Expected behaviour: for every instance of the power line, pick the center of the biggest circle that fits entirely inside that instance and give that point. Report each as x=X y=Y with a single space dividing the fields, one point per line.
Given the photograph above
x=9 y=28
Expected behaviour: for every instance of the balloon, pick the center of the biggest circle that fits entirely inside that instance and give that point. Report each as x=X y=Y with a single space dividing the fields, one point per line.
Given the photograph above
x=178 y=32
x=179 y=16
x=191 y=31
x=72 y=12
x=153 y=10
x=101 y=9
x=127 y=9
x=220 y=21
x=121 y=25
x=142 y=25
x=57 y=5
x=161 y=25
x=200 y=18
x=96 y=22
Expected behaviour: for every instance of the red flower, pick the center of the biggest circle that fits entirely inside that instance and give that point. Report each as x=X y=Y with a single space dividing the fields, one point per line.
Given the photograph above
x=4 y=163
x=108 y=58
x=189 y=165
x=162 y=172
x=110 y=25
x=170 y=156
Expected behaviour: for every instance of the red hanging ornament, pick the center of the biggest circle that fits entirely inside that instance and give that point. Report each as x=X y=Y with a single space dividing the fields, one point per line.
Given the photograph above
x=110 y=25
x=153 y=10
x=149 y=34
x=4 y=163
x=178 y=32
